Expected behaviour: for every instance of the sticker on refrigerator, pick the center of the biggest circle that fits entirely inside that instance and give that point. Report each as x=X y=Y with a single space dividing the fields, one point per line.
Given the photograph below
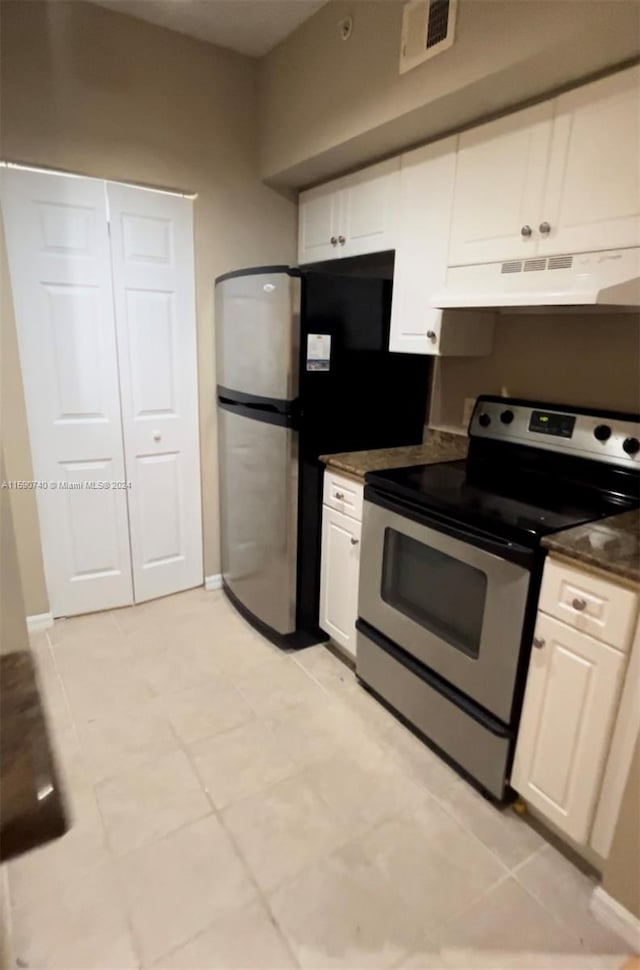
x=318 y=351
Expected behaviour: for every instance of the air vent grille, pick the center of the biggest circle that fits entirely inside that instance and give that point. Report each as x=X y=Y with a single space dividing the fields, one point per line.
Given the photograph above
x=438 y=22
x=536 y=265
x=560 y=262
x=428 y=28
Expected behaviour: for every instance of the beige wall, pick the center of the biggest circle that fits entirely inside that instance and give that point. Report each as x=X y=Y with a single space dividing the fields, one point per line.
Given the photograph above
x=93 y=91
x=589 y=359
x=621 y=877
x=13 y=627
x=328 y=104
x=17 y=454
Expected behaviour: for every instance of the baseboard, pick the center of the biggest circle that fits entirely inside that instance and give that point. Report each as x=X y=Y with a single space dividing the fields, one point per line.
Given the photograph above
x=213 y=582
x=614 y=916
x=39 y=621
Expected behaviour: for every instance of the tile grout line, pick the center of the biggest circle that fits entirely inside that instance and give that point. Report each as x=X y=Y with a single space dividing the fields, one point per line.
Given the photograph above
x=217 y=813
x=111 y=855
x=569 y=930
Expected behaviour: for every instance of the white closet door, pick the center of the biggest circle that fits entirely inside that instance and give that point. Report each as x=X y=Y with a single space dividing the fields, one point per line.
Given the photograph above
x=58 y=247
x=153 y=284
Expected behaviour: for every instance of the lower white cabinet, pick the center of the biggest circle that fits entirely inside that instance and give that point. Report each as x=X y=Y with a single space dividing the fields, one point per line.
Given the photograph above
x=571 y=698
x=340 y=569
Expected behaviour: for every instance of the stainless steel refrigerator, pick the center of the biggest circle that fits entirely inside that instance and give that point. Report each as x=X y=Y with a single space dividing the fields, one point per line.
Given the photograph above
x=302 y=370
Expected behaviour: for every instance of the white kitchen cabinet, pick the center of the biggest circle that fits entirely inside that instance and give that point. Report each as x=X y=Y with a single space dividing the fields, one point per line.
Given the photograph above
x=595 y=606
x=318 y=224
x=350 y=216
x=592 y=195
x=571 y=697
x=561 y=177
x=499 y=187
x=340 y=564
x=424 y=215
x=369 y=209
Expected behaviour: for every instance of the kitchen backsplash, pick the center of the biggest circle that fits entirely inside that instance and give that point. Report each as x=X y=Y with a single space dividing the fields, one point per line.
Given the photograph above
x=589 y=358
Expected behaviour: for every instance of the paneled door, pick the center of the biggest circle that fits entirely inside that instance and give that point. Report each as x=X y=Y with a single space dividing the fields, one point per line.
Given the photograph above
x=573 y=686
x=592 y=198
x=153 y=285
x=501 y=172
x=58 y=249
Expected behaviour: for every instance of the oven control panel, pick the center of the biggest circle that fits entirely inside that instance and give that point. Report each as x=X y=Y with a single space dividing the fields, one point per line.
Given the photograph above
x=607 y=437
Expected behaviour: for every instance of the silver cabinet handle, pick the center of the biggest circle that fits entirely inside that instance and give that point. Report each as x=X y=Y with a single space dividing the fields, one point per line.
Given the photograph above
x=538 y=642
x=354 y=542
x=579 y=604
x=334 y=241
x=545 y=227
x=341 y=240
x=431 y=335
x=157 y=436
x=526 y=231
x=340 y=496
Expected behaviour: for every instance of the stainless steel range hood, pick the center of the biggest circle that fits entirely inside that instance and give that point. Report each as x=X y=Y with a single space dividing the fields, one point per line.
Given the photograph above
x=607 y=278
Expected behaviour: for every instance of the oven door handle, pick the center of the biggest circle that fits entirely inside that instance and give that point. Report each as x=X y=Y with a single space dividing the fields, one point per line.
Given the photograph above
x=512 y=551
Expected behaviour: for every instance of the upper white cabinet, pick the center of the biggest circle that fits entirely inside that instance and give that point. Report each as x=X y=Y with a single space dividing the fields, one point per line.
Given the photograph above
x=560 y=177
x=351 y=216
x=592 y=197
x=499 y=187
x=424 y=214
x=318 y=219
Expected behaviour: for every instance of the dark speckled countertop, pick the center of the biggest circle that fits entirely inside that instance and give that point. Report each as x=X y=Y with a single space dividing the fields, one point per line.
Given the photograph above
x=609 y=545
x=31 y=805
x=438 y=446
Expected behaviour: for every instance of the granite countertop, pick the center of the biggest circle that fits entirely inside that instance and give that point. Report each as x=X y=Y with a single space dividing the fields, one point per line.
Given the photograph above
x=31 y=805
x=438 y=446
x=611 y=545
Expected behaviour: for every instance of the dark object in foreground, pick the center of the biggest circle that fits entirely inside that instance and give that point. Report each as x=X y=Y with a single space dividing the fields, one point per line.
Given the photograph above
x=31 y=806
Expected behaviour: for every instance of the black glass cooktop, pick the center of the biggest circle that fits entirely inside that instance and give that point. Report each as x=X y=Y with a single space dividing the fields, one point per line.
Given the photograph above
x=520 y=507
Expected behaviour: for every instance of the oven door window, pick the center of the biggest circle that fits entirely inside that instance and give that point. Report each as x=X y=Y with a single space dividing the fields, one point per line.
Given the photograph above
x=443 y=594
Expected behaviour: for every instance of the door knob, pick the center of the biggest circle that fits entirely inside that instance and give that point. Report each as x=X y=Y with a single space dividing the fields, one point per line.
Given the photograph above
x=340 y=496
x=431 y=335
x=538 y=642
x=544 y=227
x=354 y=542
x=334 y=241
x=579 y=604
x=157 y=436
x=341 y=240
x=526 y=231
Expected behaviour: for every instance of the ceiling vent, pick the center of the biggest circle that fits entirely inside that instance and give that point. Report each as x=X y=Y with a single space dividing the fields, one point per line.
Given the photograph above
x=428 y=27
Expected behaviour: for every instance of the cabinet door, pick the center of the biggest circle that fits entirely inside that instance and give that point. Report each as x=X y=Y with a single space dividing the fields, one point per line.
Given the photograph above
x=369 y=205
x=500 y=178
x=592 y=200
x=339 y=577
x=570 y=700
x=424 y=217
x=318 y=224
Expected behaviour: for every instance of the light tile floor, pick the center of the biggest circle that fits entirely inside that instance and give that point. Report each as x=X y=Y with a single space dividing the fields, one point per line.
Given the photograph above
x=234 y=806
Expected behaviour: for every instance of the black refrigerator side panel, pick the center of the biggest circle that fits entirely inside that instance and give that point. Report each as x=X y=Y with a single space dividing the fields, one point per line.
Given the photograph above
x=368 y=398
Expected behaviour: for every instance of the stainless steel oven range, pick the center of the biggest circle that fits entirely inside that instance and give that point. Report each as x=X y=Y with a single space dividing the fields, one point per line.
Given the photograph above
x=451 y=566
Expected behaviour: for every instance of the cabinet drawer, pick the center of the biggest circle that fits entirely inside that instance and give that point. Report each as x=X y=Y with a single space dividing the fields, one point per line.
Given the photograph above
x=604 y=610
x=343 y=494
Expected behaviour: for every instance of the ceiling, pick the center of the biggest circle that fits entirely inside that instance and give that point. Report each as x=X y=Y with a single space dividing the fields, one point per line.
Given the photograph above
x=248 y=26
